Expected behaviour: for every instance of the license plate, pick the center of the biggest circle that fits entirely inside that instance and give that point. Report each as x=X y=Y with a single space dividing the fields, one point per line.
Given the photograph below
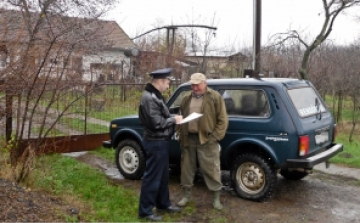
x=321 y=137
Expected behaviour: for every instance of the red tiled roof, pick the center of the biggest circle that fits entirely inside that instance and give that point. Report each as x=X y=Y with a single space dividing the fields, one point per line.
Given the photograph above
x=14 y=26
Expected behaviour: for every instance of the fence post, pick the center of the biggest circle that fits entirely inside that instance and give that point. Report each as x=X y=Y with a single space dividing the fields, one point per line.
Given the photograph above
x=86 y=111
x=123 y=92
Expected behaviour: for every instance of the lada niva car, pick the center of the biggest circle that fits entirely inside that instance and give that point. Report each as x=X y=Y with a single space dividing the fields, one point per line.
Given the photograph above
x=275 y=126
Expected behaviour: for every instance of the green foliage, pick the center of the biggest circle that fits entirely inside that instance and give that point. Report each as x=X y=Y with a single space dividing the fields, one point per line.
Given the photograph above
x=7 y=145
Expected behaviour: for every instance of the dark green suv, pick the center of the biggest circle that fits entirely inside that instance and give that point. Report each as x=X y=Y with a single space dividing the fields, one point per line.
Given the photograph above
x=275 y=126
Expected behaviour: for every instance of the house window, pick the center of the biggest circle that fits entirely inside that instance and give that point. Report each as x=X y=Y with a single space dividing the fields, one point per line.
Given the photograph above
x=113 y=71
x=77 y=63
x=3 y=58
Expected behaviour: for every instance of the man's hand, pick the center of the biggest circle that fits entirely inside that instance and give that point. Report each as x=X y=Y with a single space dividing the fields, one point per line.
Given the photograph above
x=214 y=139
x=178 y=118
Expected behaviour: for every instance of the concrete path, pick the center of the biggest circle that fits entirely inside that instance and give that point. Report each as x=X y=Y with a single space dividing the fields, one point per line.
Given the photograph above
x=333 y=169
x=339 y=170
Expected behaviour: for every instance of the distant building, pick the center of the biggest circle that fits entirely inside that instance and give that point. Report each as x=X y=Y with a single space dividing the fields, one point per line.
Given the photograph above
x=87 y=49
x=217 y=64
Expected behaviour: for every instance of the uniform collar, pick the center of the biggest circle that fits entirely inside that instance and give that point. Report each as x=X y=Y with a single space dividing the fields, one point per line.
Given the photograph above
x=150 y=88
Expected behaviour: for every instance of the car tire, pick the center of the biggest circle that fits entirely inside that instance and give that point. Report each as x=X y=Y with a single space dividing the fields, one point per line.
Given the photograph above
x=252 y=177
x=130 y=159
x=292 y=175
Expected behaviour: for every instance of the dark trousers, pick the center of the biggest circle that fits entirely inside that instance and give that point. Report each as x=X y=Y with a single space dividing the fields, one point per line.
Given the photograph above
x=155 y=182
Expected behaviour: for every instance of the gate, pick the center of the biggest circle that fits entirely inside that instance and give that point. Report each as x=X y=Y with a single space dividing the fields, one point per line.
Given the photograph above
x=77 y=122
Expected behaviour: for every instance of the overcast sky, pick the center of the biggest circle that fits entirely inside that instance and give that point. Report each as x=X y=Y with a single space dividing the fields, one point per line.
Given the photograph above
x=233 y=18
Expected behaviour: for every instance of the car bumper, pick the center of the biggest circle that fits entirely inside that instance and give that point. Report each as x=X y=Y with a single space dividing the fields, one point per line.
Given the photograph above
x=107 y=144
x=310 y=162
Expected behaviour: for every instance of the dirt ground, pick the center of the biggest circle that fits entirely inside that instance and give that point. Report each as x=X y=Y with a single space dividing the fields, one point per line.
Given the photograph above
x=18 y=204
x=319 y=197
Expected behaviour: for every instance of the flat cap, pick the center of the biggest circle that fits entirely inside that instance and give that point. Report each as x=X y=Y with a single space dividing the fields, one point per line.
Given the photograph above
x=161 y=74
x=197 y=78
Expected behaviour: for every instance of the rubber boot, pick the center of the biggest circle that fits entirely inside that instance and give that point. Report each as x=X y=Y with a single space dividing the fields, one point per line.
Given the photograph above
x=216 y=201
x=186 y=197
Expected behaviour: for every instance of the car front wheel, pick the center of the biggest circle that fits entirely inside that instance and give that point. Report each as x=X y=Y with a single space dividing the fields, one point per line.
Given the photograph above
x=252 y=177
x=130 y=159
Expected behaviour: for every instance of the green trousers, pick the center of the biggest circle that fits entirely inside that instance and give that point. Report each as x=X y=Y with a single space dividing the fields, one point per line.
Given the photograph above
x=208 y=156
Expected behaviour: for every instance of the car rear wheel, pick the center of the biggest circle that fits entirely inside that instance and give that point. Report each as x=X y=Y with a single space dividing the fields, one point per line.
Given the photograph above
x=130 y=159
x=252 y=177
x=292 y=174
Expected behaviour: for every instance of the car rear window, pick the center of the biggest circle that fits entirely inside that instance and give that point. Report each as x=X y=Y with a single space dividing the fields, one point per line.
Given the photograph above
x=306 y=101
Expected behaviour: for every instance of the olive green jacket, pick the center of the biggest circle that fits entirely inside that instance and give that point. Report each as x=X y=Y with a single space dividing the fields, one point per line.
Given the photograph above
x=213 y=123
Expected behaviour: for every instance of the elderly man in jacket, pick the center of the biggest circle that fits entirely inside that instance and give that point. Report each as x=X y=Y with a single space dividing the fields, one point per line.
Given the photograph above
x=199 y=139
x=158 y=127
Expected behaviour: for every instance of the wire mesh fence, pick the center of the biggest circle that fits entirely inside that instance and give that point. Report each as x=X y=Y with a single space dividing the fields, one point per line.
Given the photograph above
x=74 y=111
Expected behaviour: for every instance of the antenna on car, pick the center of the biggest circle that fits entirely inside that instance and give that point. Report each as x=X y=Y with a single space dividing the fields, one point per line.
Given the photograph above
x=250 y=73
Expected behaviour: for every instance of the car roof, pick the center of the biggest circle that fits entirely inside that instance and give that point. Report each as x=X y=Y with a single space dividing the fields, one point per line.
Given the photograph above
x=276 y=82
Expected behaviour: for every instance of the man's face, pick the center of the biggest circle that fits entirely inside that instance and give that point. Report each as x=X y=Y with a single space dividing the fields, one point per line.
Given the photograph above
x=164 y=85
x=199 y=89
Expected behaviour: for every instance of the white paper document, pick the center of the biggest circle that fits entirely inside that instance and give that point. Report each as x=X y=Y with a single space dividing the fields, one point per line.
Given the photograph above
x=192 y=116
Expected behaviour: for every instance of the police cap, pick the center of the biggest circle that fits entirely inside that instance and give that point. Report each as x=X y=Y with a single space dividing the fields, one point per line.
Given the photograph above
x=161 y=74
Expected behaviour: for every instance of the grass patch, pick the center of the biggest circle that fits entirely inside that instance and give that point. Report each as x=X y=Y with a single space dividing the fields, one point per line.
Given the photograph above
x=351 y=154
x=79 y=125
x=347 y=112
x=64 y=176
x=114 y=112
x=108 y=154
x=103 y=201
x=52 y=132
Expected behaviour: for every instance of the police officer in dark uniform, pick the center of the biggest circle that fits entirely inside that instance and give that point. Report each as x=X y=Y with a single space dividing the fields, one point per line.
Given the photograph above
x=158 y=127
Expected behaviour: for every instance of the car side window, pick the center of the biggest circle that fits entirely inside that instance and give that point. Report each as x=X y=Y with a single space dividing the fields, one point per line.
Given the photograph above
x=250 y=103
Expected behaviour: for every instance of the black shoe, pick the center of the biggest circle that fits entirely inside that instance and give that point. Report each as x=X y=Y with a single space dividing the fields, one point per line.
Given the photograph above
x=170 y=209
x=152 y=217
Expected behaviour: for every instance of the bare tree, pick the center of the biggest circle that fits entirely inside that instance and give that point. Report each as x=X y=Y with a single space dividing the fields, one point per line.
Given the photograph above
x=282 y=60
x=332 y=9
x=44 y=43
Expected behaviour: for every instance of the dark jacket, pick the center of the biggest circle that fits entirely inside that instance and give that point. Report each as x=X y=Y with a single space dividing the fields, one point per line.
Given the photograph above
x=154 y=115
x=213 y=123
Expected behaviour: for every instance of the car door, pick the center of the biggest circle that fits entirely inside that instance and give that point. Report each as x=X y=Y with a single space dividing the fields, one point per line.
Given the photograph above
x=252 y=119
x=174 y=105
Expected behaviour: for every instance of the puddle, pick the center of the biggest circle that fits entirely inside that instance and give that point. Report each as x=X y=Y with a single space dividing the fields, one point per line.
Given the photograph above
x=105 y=166
x=74 y=154
x=109 y=169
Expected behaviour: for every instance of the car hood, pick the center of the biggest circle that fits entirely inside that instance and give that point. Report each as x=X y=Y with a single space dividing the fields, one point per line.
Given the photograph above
x=126 y=120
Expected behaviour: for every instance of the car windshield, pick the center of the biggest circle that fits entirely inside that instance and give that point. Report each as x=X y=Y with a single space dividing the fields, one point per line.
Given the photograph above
x=178 y=100
x=306 y=101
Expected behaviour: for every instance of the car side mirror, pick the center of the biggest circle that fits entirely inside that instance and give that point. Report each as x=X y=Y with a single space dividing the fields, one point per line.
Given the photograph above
x=174 y=110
